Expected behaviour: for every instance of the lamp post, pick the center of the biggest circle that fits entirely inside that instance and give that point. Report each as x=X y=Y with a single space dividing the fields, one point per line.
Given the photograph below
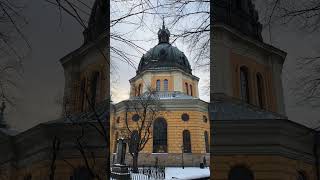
x=182 y=162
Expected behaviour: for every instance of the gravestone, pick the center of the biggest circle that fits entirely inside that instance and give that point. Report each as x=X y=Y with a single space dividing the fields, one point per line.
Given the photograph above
x=121 y=151
x=119 y=170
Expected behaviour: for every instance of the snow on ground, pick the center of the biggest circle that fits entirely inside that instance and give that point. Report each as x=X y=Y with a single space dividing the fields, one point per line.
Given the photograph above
x=175 y=173
x=186 y=173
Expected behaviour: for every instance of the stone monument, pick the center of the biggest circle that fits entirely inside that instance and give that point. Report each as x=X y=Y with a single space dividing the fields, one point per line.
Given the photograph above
x=2 y=122
x=119 y=170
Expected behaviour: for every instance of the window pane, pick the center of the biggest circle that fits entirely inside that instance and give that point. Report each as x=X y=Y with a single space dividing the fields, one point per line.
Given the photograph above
x=206 y=139
x=165 y=85
x=186 y=141
x=158 y=85
x=260 y=91
x=160 y=136
x=244 y=87
x=186 y=86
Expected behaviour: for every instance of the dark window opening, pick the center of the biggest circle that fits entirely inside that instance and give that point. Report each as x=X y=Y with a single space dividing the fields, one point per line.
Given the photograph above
x=191 y=90
x=206 y=140
x=94 y=88
x=83 y=94
x=244 y=84
x=205 y=119
x=158 y=85
x=115 y=142
x=186 y=141
x=260 y=89
x=160 y=136
x=135 y=117
x=186 y=86
x=134 y=141
x=139 y=89
x=240 y=173
x=185 y=117
x=301 y=176
x=165 y=85
x=81 y=173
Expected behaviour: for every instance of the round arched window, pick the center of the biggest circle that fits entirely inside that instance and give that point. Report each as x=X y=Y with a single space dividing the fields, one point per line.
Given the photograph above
x=301 y=176
x=118 y=120
x=185 y=117
x=135 y=117
x=205 y=119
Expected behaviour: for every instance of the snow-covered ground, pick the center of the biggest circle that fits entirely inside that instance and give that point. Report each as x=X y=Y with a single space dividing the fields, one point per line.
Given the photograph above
x=176 y=173
x=186 y=173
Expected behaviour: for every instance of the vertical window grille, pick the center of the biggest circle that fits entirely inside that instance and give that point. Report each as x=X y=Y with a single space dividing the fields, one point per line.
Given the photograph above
x=260 y=89
x=206 y=140
x=165 y=85
x=160 y=136
x=244 y=84
x=186 y=141
x=158 y=85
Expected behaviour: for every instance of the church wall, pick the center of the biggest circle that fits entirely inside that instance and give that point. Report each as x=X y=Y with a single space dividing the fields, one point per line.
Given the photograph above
x=176 y=125
x=264 y=167
x=176 y=81
x=270 y=148
x=233 y=49
x=253 y=67
x=195 y=125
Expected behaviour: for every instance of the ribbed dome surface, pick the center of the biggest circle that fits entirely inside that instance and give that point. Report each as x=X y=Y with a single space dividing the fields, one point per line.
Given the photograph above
x=164 y=56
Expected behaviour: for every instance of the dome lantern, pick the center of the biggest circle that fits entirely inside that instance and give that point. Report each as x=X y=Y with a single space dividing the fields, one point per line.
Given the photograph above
x=163 y=34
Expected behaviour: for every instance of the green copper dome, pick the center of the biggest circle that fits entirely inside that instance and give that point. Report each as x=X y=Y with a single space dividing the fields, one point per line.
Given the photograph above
x=164 y=56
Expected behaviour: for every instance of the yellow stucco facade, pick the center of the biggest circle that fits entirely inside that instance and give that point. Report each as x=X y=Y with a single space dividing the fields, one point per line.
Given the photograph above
x=264 y=167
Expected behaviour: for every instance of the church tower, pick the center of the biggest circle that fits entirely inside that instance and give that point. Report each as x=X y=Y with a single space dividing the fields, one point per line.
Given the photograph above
x=87 y=68
x=243 y=66
x=251 y=136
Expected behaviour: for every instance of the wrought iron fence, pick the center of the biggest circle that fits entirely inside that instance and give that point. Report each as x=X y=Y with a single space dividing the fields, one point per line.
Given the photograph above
x=147 y=173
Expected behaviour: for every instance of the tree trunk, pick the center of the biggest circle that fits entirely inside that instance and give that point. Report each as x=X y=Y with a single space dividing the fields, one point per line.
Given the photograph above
x=135 y=163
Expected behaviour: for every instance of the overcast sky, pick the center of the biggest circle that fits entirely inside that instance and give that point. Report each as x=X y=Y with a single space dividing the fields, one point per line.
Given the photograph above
x=43 y=79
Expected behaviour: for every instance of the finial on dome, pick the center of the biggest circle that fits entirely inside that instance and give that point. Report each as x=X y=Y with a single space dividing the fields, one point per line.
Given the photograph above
x=163 y=34
x=163 y=27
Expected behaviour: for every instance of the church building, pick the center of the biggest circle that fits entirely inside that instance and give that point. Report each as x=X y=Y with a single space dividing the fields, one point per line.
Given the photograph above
x=182 y=125
x=251 y=137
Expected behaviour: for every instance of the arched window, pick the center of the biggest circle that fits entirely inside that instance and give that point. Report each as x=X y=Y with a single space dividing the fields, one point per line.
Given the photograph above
x=94 y=87
x=81 y=173
x=134 y=141
x=165 y=85
x=301 y=175
x=186 y=87
x=238 y=4
x=139 y=89
x=240 y=173
x=83 y=94
x=27 y=177
x=206 y=141
x=115 y=142
x=186 y=141
x=260 y=89
x=244 y=84
x=158 y=85
x=160 y=136
x=191 y=90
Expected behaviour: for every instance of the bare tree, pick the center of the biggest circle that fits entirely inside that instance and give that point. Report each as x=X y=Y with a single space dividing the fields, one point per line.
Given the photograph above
x=144 y=109
x=303 y=16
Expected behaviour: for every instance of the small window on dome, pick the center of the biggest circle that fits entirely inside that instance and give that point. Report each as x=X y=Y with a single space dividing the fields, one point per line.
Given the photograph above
x=165 y=85
x=158 y=85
